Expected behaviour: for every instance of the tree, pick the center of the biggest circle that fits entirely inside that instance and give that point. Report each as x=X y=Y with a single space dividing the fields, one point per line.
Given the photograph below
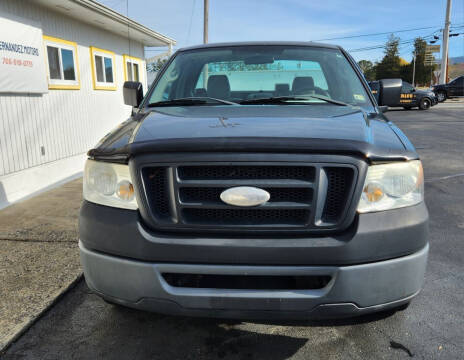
x=368 y=68
x=423 y=71
x=156 y=66
x=390 y=66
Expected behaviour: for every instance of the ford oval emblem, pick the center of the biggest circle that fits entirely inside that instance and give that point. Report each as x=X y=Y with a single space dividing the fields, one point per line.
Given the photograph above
x=245 y=196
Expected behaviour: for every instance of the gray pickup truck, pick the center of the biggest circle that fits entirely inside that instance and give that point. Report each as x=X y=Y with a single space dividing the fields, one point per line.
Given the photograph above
x=255 y=180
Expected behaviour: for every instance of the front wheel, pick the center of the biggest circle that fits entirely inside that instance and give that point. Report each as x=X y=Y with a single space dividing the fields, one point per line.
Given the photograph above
x=425 y=104
x=441 y=96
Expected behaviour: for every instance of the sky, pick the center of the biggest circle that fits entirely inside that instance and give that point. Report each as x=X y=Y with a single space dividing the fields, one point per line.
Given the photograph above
x=299 y=20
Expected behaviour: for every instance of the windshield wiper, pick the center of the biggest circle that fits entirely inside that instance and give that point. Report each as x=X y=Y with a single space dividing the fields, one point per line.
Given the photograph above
x=283 y=99
x=190 y=101
x=329 y=100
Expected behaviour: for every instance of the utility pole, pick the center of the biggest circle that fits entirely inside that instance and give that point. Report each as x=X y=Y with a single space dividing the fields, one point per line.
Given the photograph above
x=444 y=54
x=205 y=38
x=205 y=21
x=414 y=70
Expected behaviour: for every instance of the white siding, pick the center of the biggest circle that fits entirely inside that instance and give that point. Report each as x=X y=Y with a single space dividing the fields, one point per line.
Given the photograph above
x=65 y=122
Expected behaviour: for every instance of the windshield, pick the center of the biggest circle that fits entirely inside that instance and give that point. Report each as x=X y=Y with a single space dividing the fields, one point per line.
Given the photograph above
x=239 y=74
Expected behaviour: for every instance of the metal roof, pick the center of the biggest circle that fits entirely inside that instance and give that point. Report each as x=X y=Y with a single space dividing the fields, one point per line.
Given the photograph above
x=101 y=16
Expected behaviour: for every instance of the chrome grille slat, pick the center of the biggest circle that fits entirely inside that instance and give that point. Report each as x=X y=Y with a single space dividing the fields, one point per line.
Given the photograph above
x=228 y=172
x=217 y=205
x=248 y=182
x=212 y=194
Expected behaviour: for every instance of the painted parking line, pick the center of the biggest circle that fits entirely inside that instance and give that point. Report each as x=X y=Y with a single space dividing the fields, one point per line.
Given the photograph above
x=444 y=177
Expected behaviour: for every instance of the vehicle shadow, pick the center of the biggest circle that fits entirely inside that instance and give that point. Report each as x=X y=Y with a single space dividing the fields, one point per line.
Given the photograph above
x=362 y=319
x=81 y=325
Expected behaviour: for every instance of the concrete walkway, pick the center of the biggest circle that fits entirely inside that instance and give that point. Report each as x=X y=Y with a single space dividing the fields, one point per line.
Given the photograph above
x=39 y=257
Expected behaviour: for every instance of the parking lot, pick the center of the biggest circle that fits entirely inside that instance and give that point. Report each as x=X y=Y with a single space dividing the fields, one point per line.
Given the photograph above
x=82 y=326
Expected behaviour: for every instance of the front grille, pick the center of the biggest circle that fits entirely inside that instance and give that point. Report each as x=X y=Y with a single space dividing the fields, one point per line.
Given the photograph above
x=212 y=195
x=187 y=197
x=245 y=217
x=246 y=172
x=156 y=183
x=339 y=183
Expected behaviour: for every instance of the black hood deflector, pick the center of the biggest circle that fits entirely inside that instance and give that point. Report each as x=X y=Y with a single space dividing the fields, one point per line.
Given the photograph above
x=255 y=144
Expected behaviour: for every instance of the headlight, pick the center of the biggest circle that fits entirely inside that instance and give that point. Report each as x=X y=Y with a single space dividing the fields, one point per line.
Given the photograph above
x=109 y=184
x=392 y=186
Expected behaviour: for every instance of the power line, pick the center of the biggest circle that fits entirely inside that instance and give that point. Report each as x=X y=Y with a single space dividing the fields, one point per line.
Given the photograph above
x=374 y=34
x=190 y=23
x=408 y=42
x=404 y=42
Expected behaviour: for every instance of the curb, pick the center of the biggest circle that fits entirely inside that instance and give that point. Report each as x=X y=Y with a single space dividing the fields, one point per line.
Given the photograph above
x=28 y=325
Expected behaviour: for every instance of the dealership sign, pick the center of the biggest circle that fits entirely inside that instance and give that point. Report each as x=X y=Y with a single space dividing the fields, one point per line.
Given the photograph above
x=22 y=67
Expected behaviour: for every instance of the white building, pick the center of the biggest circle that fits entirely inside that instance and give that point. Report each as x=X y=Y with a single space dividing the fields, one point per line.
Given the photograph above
x=62 y=67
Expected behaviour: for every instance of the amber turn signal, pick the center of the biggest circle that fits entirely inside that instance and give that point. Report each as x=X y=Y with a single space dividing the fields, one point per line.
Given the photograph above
x=373 y=192
x=125 y=190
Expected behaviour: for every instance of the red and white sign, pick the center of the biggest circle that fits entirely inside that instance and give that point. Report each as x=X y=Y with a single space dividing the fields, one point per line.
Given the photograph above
x=22 y=65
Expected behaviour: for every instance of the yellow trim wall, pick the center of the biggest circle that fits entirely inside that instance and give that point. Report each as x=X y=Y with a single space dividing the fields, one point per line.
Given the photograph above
x=78 y=75
x=126 y=57
x=45 y=137
x=93 y=50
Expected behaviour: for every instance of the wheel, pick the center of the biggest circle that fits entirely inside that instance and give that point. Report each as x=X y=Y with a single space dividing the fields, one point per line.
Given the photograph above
x=441 y=95
x=425 y=104
x=407 y=107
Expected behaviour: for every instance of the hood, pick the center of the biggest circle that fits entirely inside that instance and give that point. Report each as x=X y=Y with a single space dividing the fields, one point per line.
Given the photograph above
x=256 y=128
x=424 y=92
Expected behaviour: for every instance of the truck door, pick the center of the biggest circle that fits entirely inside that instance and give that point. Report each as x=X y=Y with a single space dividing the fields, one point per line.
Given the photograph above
x=408 y=97
x=456 y=87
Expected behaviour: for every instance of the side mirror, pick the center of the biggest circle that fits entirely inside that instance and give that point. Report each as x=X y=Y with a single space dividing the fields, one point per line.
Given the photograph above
x=390 y=91
x=383 y=109
x=133 y=93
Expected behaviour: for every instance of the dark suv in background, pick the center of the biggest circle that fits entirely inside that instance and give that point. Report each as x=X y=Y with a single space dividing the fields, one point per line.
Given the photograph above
x=452 y=89
x=255 y=180
x=407 y=95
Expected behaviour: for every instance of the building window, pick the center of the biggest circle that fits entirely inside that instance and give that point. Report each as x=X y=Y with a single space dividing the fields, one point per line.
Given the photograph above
x=103 y=72
x=132 y=66
x=63 y=69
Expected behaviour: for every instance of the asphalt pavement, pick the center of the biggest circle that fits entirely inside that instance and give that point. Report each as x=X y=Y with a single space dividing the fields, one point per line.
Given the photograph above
x=82 y=326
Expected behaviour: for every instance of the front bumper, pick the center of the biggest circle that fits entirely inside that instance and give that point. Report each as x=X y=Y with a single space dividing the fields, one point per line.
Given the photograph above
x=352 y=290
x=372 y=237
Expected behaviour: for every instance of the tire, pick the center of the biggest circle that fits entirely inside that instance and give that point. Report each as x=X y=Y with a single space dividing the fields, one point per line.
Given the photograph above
x=407 y=107
x=441 y=95
x=425 y=104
